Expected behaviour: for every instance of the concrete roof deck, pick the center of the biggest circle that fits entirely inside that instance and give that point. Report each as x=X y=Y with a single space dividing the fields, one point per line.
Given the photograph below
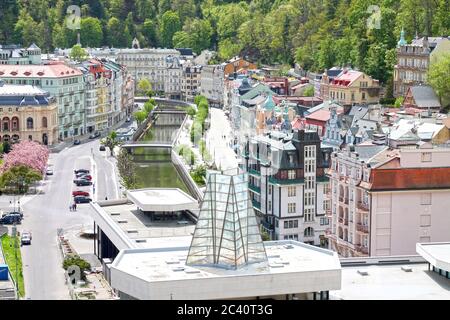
x=163 y=264
x=436 y=253
x=392 y=283
x=163 y=200
x=138 y=225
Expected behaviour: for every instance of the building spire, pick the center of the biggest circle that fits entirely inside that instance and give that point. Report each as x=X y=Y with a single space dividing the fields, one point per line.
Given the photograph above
x=402 y=41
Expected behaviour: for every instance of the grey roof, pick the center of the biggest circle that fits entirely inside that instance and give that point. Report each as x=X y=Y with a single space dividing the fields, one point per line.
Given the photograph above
x=367 y=152
x=425 y=97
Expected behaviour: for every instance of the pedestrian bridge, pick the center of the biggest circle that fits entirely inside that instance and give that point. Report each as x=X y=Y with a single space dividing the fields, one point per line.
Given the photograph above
x=143 y=144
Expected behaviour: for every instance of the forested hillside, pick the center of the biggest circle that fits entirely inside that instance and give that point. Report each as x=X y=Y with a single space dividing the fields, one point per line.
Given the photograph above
x=315 y=33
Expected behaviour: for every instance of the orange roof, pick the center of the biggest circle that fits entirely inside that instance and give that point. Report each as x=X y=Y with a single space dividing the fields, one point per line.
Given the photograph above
x=57 y=70
x=319 y=115
x=409 y=179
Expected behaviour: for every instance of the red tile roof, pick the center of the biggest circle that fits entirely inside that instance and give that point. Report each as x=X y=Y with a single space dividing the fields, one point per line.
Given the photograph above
x=409 y=179
x=319 y=115
x=55 y=70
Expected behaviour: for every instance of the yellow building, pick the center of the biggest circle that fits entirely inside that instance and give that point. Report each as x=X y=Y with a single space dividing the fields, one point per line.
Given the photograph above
x=27 y=113
x=354 y=87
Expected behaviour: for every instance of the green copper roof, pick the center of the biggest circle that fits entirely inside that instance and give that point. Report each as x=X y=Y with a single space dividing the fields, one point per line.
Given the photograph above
x=269 y=104
x=402 y=41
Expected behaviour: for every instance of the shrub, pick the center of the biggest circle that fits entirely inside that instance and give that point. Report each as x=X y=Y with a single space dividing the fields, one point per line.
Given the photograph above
x=77 y=261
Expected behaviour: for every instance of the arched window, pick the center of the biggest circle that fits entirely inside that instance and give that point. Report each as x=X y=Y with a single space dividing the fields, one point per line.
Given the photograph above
x=15 y=124
x=44 y=122
x=309 y=232
x=30 y=123
x=5 y=125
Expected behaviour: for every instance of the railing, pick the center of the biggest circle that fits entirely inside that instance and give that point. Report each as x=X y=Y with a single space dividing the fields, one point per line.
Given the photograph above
x=363 y=206
x=256 y=204
x=341 y=220
x=328 y=212
x=362 y=228
x=268 y=226
x=254 y=188
x=328 y=231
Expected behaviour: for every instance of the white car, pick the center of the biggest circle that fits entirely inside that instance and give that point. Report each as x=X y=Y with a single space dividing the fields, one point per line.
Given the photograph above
x=25 y=238
x=49 y=172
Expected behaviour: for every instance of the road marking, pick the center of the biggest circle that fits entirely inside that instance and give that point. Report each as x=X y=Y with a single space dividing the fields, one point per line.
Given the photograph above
x=114 y=177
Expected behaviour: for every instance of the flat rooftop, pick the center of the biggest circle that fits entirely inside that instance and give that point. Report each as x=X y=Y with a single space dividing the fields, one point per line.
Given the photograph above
x=392 y=283
x=138 y=225
x=162 y=200
x=162 y=264
x=436 y=253
x=161 y=273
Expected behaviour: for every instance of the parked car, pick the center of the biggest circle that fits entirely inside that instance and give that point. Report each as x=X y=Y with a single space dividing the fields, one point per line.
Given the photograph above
x=49 y=172
x=95 y=135
x=76 y=142
x=82 y=182
x=81 y=199
x=16 y=212
x=102 y=148
x=83 y=175
x=79 y=193
x=11 y=218
x=81 y=171
x=25 y=238
x=128 y=119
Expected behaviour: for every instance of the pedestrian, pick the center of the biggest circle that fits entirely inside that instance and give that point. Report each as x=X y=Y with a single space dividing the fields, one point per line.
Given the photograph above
x=75 y=206
x=106 y=198
x=70 y=207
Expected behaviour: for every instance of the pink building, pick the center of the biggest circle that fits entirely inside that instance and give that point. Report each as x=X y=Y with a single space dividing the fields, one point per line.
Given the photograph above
x=384 y=201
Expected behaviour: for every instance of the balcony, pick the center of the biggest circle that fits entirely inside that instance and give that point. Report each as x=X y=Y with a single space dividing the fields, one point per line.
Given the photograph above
x=363 y=206
x=254 y=188
x=328 y=231
x=341 y=220
x=328 y=213
x=268 y=226
x=256 y=204
x=362 y=228
x=254 y=172
x=343 y=200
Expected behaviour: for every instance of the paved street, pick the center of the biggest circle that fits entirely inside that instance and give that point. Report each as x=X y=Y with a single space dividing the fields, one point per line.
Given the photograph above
x=218 y=146
x=45 y=213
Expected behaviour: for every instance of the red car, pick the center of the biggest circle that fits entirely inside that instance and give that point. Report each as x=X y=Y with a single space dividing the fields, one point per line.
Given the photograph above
x=79 y=193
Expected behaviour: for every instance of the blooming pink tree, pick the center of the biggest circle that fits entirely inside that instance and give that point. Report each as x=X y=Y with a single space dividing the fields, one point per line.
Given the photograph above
x=27 y=153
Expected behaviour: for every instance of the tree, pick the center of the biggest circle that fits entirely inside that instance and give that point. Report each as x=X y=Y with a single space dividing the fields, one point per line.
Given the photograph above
x=77 y=53
x=144 y=86
x=149 y=105
x=309 y=91
x=149 y=32
x=91 y=32
x=127 y=169
x=439 y=78
x=170 y=24
x=191 y=112
x=399 y=102
x=140 y=116
x=70 y=261
x=19 y=177
x=111 y=142
x=198 y=174
x=28 y=153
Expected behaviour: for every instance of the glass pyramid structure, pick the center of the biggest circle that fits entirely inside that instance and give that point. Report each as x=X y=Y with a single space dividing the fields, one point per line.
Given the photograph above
x=227 y=233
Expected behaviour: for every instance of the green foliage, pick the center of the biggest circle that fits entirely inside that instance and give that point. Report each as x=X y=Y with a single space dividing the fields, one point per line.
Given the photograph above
x=9 y=246
x=127 y=170
x=19 y=178
x=191 y=111
x=439 y=78
x=188 y=155
x=309 y=92
x=78 y=53
x=77 y=261
x=149 y=105
x=265 y=236
x=144 y=86
x=170 y=24
x=399 y=102
x=140 y=116
x=315 y=34
x=91 y=32
x=198 y=174
x=111 y=142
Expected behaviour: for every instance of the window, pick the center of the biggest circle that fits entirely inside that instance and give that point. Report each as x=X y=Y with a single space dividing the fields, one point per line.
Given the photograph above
x=292 y=191
x=270 y=205
x=363 y=96
x=309 y=232
x=291 y=207
x=324 y=221
x=30 y=123
x=44 y=122
x=270 y=189
x=426 y=156
x=426 y=199
x=291 y=174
